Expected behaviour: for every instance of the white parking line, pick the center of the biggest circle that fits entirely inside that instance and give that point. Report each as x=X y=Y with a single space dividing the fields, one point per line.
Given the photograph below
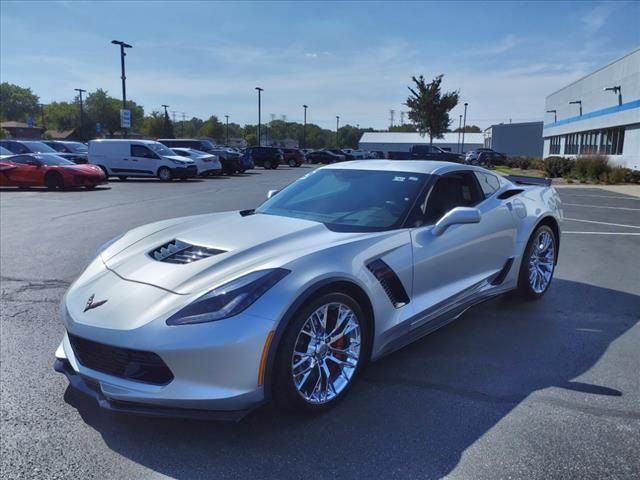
x=602 y=223
x=600 y=206
x=601 y=196
x=604 y=233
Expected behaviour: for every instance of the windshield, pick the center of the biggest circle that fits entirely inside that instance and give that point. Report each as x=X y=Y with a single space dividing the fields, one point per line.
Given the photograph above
x=4 y=151
x=77 y=147
x=53 y=160
x=361 y=200
x=161 y=150
x=38 y=147
x=207 y=145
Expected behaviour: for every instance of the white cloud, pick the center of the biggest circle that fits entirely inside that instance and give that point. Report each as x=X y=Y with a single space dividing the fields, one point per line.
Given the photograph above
x=595 y=18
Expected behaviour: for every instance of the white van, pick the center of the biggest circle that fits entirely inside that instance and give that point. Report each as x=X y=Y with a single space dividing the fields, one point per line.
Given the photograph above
x=139 y=158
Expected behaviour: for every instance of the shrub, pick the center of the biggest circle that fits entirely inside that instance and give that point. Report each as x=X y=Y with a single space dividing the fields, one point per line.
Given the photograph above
x=555 y=167
x=525 y=163
x=631 y=176
x=597 y=166
x=617 y=175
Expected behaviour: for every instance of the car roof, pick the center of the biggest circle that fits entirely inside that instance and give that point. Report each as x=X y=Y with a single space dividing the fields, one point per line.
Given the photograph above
x=429 y=167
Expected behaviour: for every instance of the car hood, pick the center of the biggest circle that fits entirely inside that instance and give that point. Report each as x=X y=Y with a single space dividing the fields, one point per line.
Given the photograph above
x=179 y=158
x=247 y=243
x=85 y=169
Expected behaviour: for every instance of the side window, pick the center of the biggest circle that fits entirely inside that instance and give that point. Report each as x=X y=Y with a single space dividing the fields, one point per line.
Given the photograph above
x=21 y=159
x=459 y=189
x=488 y=183
x=140 y=151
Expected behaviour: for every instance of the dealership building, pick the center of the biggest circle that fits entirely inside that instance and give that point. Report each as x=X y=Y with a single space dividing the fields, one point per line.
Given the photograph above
x=599 y=113
x=402 y=142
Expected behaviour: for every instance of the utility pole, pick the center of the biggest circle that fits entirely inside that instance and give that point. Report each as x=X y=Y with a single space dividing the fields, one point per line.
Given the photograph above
x=392 y=114
x=401 y=118
x=166 y=121
x=304 y=127
x=464 y=125
x=227 y=133
x=123 y=76
x=80 y=92
x=260 y=90
x=459 y=131
x=337 y=130
x=184 y=119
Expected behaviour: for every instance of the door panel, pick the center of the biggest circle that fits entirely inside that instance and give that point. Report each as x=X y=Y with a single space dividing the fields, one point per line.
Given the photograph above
x=463 y=256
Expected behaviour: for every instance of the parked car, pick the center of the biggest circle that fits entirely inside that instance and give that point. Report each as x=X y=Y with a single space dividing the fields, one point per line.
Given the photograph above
x=293 y=157
x=140 y=158
x=229 y=159
x=323 y=156
x=33 y=146
x=5 y=153
x=355 y=154
x=340 y=268
x=78 y=152
x=207 y=163
x=485 y=157
x=338 y=153
x=48 y=170
x=431 y=152
x=266 y=157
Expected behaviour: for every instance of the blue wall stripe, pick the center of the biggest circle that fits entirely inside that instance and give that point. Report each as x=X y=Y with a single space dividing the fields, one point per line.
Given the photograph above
x=596 y=113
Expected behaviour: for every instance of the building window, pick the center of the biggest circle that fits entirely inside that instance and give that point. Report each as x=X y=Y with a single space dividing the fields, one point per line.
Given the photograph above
x=608 y=141
x=571 y=144
x=554 y=145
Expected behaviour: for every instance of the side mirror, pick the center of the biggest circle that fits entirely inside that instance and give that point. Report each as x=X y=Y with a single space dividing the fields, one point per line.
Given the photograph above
x=271 y=193
x=456 y=216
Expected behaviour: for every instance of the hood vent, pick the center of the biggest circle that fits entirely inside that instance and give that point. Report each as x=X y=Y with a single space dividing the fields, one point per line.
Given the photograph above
x=180 y=252
x=390 y=282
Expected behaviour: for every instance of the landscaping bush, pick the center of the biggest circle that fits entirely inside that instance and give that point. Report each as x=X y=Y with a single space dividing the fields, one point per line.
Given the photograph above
x=617 y=175
x=631 y=176
x=525 y=163
x=555 y=167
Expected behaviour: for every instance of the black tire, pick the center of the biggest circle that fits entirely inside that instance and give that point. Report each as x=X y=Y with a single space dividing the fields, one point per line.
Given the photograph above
x=90 y=187
x=122 y=178
x=292 y=163
x=285 y=393
x=184 y=179
x=274 y=166
x=266 y=164
x=53 y=181
x=525 y=289
x=165 y=174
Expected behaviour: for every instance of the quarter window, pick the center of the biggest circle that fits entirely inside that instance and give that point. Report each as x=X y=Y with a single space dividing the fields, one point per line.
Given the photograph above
x=488 y=183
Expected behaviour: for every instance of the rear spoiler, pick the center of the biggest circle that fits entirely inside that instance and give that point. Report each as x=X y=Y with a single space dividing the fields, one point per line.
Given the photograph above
x=524 y=180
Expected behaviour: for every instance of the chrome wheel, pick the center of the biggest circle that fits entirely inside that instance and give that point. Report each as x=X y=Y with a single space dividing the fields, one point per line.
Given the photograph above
x=326 y=353
x=541 y=262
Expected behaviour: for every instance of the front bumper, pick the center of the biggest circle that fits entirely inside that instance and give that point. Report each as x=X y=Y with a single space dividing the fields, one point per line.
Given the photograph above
x=185 y=172
x=93 y=390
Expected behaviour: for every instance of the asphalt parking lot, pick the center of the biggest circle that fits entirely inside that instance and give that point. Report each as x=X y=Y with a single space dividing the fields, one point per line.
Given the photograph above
x=511 y=390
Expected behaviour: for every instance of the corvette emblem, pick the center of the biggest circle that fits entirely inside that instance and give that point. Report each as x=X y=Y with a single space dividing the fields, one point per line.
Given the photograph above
x=91 y=304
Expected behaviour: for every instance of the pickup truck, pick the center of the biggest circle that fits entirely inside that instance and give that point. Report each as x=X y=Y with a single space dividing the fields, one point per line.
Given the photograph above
x=431 y=152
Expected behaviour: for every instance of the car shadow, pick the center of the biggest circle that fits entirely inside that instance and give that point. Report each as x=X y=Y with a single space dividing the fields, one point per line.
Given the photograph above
x=153 y=180
x=411 y=414
x=102 y=188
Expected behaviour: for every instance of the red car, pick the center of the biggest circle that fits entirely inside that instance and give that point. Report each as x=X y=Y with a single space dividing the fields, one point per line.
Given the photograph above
x=48 y=170
x=293 y=157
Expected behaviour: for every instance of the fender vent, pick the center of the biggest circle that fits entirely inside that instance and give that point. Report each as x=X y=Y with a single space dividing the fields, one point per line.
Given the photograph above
x=390 y=282
x=180 y=252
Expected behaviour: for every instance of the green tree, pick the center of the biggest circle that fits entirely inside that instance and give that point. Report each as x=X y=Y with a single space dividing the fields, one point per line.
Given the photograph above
x=61 y=116
x=100 y=107
x=429 y=108
x=153 y=125
x=468 y=129
x=212 y=128
x=405 y=127
x=16 y=103
x=349 y=136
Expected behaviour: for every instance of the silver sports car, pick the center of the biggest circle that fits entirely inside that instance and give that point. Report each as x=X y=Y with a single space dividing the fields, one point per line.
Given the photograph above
x=212 y=315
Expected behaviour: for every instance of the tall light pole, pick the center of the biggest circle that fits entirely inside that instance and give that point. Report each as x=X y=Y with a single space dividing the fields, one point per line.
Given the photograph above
x=459 y=130
x=577 y=102
x=304 y=127
x=555 y=115
x=166 y=120
x=260 y=90
x=80 y=92
x=464 y=126
x=616 y=89
x=337 y=129
x=41 y=105
x=227 y=131
x=123 y=45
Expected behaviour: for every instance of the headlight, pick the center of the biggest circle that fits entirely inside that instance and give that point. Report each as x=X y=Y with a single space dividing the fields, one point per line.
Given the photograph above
x=106 y=245
x=177 y=162
x=229 y=299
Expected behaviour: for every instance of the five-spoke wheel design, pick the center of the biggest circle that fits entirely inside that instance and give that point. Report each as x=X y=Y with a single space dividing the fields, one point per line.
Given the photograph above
x=326 y=353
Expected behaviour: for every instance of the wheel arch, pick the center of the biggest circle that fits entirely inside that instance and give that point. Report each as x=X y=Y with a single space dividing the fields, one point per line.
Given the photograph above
x=335 y=284
x=553 y=224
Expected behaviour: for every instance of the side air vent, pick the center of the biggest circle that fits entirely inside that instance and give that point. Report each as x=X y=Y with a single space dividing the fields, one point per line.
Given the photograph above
x=390 y=282
x=510 y=193
x=177 y=251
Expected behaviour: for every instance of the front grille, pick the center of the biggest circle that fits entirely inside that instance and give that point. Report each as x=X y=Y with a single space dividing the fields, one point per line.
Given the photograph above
x=135 y=365
x=177 y=251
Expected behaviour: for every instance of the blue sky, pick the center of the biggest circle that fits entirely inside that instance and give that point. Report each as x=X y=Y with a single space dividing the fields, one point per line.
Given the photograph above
x=353 y=59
